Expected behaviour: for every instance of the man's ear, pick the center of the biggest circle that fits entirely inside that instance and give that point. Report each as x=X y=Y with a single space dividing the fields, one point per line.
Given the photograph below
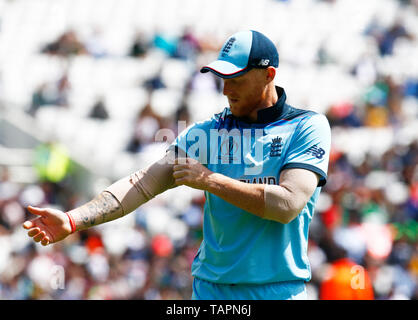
x=271 y=73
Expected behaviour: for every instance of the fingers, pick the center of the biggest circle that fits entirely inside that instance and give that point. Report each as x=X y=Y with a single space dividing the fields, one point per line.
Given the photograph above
x=33 y=232
x=181 y=160
x=185 y=161
x=39 y=236
x=45 y=241
x=36 y=228
x=37 y=211
x=180 y=182
x=180 y=171
x=178 y=167
x=189 y=174
x=28 y=224
x=179 y=174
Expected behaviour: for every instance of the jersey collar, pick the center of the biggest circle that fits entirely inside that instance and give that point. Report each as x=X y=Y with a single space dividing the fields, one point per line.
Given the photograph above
x=272 y=113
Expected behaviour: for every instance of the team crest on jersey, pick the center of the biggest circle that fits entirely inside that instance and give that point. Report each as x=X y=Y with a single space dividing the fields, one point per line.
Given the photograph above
x=276 y=147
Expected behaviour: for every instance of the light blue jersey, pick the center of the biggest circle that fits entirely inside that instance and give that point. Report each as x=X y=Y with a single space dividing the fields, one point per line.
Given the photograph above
x=239 y=247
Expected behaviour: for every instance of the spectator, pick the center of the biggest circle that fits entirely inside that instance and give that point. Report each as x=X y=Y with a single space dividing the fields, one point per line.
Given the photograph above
x=165 y=43
x=147 y=124
x=363 y=190
x=66 y=45
x=50 y=94
x=345 y=280
x=99 y=110
x=188 y=46
x=95 y=44
x=139 y=47
x=387 y=40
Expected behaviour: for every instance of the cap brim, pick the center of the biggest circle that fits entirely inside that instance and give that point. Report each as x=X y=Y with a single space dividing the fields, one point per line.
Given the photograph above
x=224 y=69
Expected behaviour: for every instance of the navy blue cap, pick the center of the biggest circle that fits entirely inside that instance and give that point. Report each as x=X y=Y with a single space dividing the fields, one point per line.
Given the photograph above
x=242 y=52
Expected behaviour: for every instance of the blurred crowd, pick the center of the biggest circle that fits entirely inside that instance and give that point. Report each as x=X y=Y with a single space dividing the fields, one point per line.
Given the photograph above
x=367 y=214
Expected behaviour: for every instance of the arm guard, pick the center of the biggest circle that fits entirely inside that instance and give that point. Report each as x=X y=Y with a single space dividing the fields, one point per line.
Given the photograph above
x=143 y=185
x=285 y=201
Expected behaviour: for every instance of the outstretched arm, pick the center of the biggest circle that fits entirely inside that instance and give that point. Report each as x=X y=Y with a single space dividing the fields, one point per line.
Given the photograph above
x=119 y=199
x=54 y=225
x=103 y=208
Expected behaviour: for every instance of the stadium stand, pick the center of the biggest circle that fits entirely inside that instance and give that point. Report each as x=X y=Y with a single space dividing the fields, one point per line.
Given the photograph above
x=86 y=85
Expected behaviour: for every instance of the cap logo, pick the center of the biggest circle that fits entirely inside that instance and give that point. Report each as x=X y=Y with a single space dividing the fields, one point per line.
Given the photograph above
x=264 y=62
x=228 y=46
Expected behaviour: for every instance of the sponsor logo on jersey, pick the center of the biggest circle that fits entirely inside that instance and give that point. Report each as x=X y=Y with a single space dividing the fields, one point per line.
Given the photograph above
x=316 y=152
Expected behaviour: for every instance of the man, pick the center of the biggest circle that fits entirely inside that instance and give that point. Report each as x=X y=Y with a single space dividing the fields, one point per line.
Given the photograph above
x=261 y=164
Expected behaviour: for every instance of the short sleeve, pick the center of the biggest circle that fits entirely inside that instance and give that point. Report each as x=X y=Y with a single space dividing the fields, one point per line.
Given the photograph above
x=310 y=146
x=193 y=141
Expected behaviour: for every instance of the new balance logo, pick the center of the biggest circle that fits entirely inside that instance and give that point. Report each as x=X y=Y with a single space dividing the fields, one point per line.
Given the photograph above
x=276 y=147
x=316 y=152
x=264 y=62
x=228 y=46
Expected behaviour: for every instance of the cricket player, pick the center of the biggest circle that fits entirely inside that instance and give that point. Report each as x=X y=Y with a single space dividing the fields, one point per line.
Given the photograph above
x=261 y=164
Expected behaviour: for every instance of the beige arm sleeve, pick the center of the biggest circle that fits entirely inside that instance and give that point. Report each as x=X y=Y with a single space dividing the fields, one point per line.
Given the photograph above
x=141 y=186
x=285 y=201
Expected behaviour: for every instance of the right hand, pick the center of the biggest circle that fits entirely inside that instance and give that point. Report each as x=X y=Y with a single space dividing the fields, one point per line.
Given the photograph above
x=51 y=226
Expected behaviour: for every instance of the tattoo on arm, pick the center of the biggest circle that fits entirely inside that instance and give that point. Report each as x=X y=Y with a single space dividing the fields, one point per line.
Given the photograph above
x=105 y=207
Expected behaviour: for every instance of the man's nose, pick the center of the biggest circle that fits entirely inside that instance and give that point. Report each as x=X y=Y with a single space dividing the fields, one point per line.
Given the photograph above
x=227 y=88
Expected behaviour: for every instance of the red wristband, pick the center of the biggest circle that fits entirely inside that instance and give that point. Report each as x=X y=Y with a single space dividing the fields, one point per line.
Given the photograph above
x=72 y=223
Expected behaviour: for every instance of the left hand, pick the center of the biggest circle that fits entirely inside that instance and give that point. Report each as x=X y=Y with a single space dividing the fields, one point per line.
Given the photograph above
x=190 y=172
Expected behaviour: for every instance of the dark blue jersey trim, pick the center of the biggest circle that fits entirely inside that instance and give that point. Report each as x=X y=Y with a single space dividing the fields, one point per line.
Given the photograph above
x=300 y=165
